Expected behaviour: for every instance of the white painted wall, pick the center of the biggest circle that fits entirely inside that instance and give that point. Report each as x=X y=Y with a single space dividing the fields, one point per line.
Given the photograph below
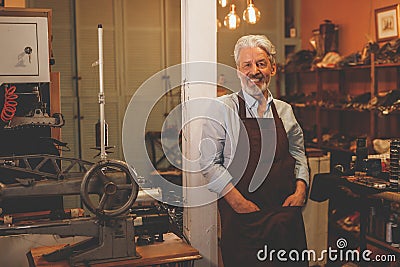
x=198 y=37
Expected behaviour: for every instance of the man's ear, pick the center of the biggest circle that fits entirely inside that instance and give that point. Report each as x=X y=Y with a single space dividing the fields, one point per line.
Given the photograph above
x=273 y=70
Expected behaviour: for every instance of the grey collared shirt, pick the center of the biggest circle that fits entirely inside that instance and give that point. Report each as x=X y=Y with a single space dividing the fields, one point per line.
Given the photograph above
x=252 y=106
x=220 y=136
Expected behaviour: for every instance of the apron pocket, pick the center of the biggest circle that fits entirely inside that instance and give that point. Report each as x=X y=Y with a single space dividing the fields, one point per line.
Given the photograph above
x=250 y=228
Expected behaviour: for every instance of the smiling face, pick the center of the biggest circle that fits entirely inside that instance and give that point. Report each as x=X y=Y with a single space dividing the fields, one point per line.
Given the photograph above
x=254 y=70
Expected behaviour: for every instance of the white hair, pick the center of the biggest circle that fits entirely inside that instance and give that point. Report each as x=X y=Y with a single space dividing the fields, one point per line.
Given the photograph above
x=260 y=41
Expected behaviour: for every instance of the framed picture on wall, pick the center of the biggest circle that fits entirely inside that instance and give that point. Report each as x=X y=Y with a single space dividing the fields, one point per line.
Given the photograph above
x=387 y=23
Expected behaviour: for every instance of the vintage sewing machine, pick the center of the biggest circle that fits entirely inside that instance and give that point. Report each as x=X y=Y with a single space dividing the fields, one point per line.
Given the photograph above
x=121 y=211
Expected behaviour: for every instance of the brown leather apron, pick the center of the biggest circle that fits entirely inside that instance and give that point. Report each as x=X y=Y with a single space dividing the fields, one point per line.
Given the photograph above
x=274 y=226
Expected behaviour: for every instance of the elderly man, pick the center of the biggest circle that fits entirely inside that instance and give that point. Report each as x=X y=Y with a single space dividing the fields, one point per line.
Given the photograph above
x=260 y=210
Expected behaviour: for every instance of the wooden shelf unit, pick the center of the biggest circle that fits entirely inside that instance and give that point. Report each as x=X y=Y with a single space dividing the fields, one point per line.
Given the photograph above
x=347 y=81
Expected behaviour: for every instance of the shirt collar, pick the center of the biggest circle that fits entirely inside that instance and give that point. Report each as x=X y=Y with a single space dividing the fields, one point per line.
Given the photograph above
x=252 y=102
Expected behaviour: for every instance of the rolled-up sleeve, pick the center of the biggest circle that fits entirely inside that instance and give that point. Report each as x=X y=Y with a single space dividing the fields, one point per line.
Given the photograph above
x=296 y=148
x=212 y=158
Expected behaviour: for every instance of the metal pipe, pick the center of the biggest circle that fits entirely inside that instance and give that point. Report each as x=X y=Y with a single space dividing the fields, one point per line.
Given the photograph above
x=101 y=95
x=76 y=79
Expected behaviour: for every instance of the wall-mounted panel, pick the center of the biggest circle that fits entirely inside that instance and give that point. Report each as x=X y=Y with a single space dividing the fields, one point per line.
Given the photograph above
x=24 y=50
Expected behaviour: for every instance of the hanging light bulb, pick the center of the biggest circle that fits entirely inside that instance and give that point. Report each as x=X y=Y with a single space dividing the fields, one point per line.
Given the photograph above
x=251 y=14
x=232 y=20
x=223 y=3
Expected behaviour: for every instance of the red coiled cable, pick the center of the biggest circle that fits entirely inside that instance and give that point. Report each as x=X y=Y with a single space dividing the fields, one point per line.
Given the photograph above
x=10 y=104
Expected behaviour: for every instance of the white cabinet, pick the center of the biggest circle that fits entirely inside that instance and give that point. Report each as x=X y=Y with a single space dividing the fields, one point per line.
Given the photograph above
x=24 y=50
x=315 y=214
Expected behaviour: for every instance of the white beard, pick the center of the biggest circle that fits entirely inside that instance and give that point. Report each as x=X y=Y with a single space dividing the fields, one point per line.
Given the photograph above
x=252 y=89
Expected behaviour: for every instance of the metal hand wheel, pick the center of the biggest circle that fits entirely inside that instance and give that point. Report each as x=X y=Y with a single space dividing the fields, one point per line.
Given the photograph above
x=114 y=183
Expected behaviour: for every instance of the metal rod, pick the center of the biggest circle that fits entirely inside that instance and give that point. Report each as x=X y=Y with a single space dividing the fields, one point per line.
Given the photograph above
x=76 y=79
x=101 y=95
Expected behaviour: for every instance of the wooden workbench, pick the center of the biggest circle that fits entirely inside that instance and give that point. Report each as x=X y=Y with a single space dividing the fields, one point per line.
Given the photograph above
x=172 y=250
